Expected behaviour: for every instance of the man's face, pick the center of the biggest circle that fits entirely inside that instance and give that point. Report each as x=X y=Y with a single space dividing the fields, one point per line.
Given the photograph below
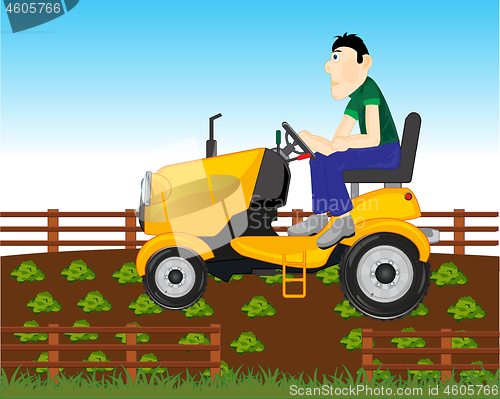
x=345 y=72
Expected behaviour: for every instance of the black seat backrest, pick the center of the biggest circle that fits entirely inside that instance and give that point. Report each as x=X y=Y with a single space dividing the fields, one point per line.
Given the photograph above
x=409 y=143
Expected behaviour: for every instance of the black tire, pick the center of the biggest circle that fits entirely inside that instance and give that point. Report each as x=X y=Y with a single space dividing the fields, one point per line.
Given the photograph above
x=194 y=276
x=384 y=299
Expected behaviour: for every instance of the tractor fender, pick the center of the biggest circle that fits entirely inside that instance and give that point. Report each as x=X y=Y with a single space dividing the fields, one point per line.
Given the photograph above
x=396 y=226
x=166 y=240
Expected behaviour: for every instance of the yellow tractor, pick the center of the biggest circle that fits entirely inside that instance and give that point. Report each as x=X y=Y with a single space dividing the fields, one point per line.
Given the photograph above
x=214 y=216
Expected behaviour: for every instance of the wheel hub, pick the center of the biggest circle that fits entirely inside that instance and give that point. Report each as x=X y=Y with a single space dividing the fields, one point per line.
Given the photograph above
x=175 y=276
x=385 y=273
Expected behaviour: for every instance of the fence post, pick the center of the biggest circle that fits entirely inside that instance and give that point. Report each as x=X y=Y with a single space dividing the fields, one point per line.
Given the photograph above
x=215 y=356
x=297 y=218
x=53 y=355
x=366 y=359
x=131 y=339
x=459 y=221
x=130 y=221
x=445 y=357
x=53 y=221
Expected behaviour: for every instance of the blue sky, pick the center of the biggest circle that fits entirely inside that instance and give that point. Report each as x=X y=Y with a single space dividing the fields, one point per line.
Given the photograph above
x=97 y=91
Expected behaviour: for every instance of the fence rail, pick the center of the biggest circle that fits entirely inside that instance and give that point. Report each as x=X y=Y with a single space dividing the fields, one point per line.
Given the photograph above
x=445 y=350
x=130 y=228
x=130 y=348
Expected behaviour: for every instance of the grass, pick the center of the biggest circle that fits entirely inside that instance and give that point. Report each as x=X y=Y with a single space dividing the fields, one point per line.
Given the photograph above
x=262 y=384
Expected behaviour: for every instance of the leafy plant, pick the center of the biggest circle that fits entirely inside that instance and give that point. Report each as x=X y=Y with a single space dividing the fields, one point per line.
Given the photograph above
x=199 y=309
x=94 y=302
x=258 y=306
x=463 y=342
x=149 y=357
x=234 y=277
x=329 y=275
x=31 y=337
x=144 y=305
x=427 y=374
x=194 y=339
x=127 y=274
x=472 y=376
x=345 y=310
x=408 y=342
x=247 y=342
x=75 y=337
x=422 y=310
x=276 y=279
x=78 y=271
x=140 y=337
x=466 y=308
x=224 y=371
x=97 y=356
x=44 y=302
x=448 y=274
x=27 y=271
x=353 y=340
x=44 y=357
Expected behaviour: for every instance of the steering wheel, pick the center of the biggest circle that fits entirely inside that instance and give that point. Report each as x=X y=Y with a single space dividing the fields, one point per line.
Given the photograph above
x=292 y=140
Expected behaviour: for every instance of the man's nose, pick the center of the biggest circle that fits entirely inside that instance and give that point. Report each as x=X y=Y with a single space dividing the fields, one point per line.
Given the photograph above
x=327 y=67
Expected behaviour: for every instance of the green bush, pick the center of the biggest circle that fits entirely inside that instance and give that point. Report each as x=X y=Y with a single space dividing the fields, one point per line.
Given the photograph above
x=78 y=271
x=427 y=374
x=44 y=302
x=329 y=275
x=408 y=342
x=247 y=342
x=149 y=357
x=258 y=306
x=472 y=376
x=353 y=340
x=199 y=309
x=422 y=310
x=224 y=371
x=44 y=357
x=276 y=279
x=140 y=337
x=234 y=277
x=448 y=274
x=345 y=310
x=465 y=342
x=194 y=339
x=97 y=356
x=75 y=337
x=94 y=302
x=466 y=308
x=27 y=271
x=127 y=274
x=31 y=337
x=144 y=305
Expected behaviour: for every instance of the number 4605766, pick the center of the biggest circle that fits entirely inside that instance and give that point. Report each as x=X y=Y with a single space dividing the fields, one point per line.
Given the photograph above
x=33 y=8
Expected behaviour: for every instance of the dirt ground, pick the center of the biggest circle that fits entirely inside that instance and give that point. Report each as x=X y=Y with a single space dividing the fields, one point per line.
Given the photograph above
x=304 y=334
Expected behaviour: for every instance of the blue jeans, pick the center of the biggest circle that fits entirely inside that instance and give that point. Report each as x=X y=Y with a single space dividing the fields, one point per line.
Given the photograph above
x=328 y=188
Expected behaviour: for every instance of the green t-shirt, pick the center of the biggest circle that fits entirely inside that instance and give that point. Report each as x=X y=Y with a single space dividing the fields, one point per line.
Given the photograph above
x=369 y=93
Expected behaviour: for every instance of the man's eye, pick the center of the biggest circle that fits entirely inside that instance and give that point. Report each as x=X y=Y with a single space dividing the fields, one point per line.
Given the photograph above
x=336 y=57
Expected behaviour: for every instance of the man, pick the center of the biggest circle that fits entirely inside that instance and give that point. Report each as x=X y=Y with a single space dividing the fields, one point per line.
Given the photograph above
x=377 y=147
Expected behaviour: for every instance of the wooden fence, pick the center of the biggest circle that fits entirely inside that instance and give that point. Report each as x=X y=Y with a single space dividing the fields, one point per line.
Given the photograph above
x=130 y=348
x=130 y=228
x=445 y=350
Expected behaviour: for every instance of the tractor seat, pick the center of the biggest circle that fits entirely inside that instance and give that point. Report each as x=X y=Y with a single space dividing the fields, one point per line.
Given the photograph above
x=392 y=177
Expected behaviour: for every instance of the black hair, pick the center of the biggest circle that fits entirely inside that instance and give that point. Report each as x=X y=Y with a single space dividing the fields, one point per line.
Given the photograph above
x=351 y=41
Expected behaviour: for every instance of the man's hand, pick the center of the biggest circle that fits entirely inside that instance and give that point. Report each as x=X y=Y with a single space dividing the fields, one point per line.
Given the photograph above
x=340 y=144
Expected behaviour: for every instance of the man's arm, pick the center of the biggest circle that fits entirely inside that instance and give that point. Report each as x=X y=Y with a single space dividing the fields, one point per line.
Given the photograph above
x=370 y=139
x=323 y=145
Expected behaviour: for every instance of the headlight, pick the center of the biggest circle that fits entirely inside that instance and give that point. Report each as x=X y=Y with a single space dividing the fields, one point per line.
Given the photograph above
x=146 y=189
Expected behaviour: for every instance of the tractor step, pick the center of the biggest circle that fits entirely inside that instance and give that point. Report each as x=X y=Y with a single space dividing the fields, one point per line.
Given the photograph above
x=302 y=279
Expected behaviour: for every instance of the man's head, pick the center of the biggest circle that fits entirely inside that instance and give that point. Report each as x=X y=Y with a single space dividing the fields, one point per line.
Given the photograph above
x=348 y=65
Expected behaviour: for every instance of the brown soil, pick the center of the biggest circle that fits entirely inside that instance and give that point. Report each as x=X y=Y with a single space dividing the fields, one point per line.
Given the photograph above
x=302 y=336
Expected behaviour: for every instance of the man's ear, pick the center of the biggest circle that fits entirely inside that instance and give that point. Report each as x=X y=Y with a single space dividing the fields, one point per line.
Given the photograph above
x=367 y=61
